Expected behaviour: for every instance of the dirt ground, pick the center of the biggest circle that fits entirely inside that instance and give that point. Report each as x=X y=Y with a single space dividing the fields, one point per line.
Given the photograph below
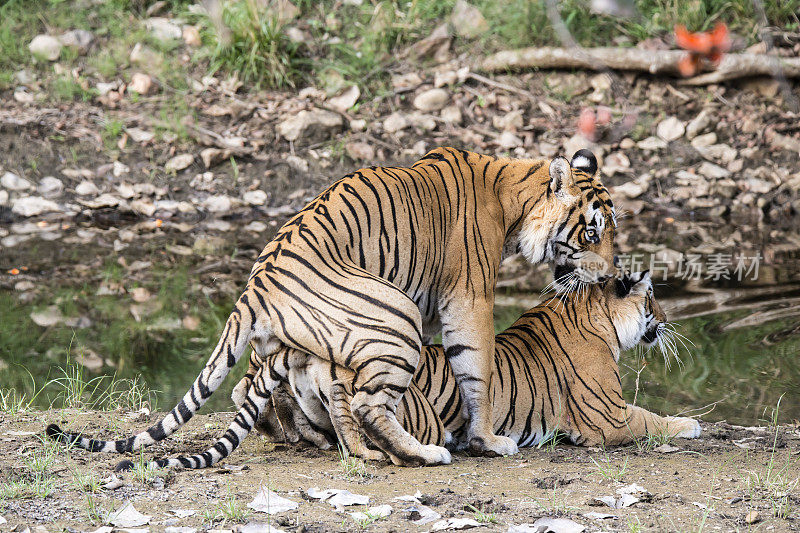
x=730 y=476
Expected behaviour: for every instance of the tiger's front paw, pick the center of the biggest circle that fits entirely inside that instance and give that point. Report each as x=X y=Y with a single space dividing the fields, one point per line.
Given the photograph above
x=684 y=428
x=492 y=446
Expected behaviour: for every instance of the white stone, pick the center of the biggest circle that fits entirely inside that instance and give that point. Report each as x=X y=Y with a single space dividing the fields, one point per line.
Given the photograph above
x=360 y=151
x=50 y=187
x=317 y=122
x=699 y=123
x=712 y=171
x=345 y=100
x=395 y=122
x=118 y=169
x=45 y=47
x=218 y=204
x=12 y=182
x=30 y=206
x=670 y=129
x=707 y=139
x=213 y=156
x=508 y=140
x=50 y=316
x=3 y=197
x=256 y=197
x=140 y=83
x=179 y=162
x=105 y=88
x=143 y=207
x=511 y=121
x=451 y=114
x=431 y=100
x=651 y=144
x=718 y=152
x=615 y=162
x=86 y=188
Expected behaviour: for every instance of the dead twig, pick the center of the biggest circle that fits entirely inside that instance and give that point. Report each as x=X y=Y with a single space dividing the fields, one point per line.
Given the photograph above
x=732 y=66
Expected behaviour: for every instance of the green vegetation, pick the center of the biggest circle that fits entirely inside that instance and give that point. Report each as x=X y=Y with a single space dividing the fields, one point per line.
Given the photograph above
x=352 y=467
x=608 y=470
x=229 y=509
x=36 y=479
x=481 y=516
x=329 y=44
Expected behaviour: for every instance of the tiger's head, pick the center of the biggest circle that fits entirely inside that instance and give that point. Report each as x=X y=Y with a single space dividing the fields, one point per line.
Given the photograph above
x=637 y=316
x=574 y=228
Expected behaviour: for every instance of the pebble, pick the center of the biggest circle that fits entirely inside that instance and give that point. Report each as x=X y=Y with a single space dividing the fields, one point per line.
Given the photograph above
x=179 y=162
x=3 y=197
x=118 y=169
x=345 y=100
x=698 y=124
x=79 y=40
x=627 y=143
x=508 y=140
x=255 y=226
x=256 y=197
x=431 y=100
x=50 y=187
x=651 y=144
x=12 y=182
x=358 y=124
x=163 y=29
x=217 y=204
x=191 y=36
x=615 y=162
x=718 y=152
x=395 y=122
x=451 y=114
x=143 y=207
x=140 y=83
x=712 y=171
x=86 y=188
x=30 y=206
x=702 y=141
x=45 y=47
x=670 y=129
x=360 y=151
x=511 y=121
x=214 y=156
x=467 y=20
x=317 y=124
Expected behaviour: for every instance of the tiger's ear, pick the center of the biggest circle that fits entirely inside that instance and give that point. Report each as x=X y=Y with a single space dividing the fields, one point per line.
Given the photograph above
x=584 y=160
x=560 y=175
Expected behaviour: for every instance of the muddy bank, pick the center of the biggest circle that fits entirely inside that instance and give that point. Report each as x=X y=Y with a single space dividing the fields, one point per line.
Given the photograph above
x=729 y=476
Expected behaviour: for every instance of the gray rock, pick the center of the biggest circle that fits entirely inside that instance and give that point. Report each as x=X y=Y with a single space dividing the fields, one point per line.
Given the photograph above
x=50 y=187
x=12 y=182
x=45 y=47
x=80 y=40
x=698 y=124
x=431 y=100
x=163 y=29
x=467 y=20
x=314 y=125
x=30 y=206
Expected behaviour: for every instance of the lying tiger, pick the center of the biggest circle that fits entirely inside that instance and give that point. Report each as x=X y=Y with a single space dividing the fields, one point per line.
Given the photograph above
x=555 y=371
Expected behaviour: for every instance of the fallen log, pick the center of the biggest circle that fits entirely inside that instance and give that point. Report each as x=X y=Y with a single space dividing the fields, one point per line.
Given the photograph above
x=732 y=66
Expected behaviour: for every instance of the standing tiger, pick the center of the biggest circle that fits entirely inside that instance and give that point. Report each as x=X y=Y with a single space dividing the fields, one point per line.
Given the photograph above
x=388 y=256
x=555 y=373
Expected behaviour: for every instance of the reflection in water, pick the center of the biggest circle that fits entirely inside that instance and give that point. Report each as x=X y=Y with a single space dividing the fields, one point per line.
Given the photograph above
x=745 y=353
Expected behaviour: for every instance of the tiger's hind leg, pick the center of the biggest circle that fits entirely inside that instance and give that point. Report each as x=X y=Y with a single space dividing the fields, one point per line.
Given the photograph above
x=372 y=327
x=345 y=424
x=295 y=424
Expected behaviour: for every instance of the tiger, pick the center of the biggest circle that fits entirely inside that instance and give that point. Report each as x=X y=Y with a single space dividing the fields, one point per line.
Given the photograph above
x=557 y=376
x=388 y=256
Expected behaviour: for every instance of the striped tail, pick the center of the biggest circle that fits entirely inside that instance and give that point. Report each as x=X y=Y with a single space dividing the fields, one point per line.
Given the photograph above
x=229 y=349
x=253 y=406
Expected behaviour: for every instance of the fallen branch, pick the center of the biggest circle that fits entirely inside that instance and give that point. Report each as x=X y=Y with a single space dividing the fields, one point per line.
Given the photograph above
x=732 y=66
